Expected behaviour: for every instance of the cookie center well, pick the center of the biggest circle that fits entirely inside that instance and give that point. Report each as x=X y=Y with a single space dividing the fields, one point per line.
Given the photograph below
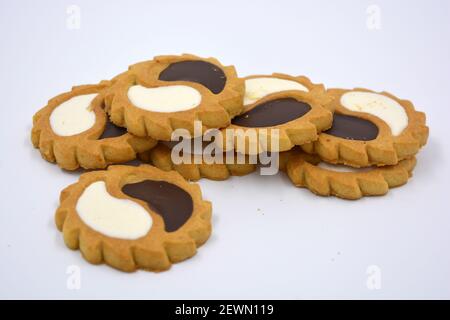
x=378 y=105
x=352 y=128
x=171 y=202
x=73 y=116
x=164 y=99
x=111 y=216
x=202 y=72
x=272 y=113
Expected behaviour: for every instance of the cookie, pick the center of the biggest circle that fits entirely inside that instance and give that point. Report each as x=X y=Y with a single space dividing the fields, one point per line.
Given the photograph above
x=134 y=217
x=283 y=158
x=306 y=170
x=156 y=97
x=293 y=105
x=193 y=166
x=370 y=128
x=74 y=131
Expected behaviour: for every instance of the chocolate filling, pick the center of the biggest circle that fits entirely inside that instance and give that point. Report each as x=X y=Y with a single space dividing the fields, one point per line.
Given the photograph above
x=205 y=73
x=352 y=128
x=194 y=150
x=272 y=113
x=171 y=202
x=133 y=163
x=112 y=131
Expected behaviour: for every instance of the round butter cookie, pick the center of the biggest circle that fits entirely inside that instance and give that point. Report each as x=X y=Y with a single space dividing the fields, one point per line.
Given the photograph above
x=306 y=170
x=194 y=165
x=370 y=128
x=134 y=217
x=293 y=106
x=156 y=97
x=74 y=131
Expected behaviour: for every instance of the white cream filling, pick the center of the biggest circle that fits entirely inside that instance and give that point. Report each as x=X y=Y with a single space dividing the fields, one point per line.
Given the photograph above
x=385 y=108
x=113 y=217
x=341 y=168
x=73 y=116
x=257 y=88
x=164 y=99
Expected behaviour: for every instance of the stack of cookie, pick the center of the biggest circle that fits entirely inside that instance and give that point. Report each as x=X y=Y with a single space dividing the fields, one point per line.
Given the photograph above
x=347 y=143
x=370 y=147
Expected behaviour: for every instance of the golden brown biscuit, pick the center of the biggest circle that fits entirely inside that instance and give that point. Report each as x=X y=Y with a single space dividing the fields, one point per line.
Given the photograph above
x=156 y=97
x=193 y=170
x=283 y=158
x=286 y=118
x=306 y=170
x=373 y=129
x=134 y=217
x=293 y=105
x=74 y=131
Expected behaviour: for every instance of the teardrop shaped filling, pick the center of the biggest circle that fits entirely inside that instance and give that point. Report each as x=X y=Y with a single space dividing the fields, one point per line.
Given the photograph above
x=171 y=202
x=202 y=72
x=352 y=128
x=272 y=113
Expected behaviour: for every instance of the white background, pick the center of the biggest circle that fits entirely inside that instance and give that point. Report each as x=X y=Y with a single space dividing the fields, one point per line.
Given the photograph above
x=270 y=239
